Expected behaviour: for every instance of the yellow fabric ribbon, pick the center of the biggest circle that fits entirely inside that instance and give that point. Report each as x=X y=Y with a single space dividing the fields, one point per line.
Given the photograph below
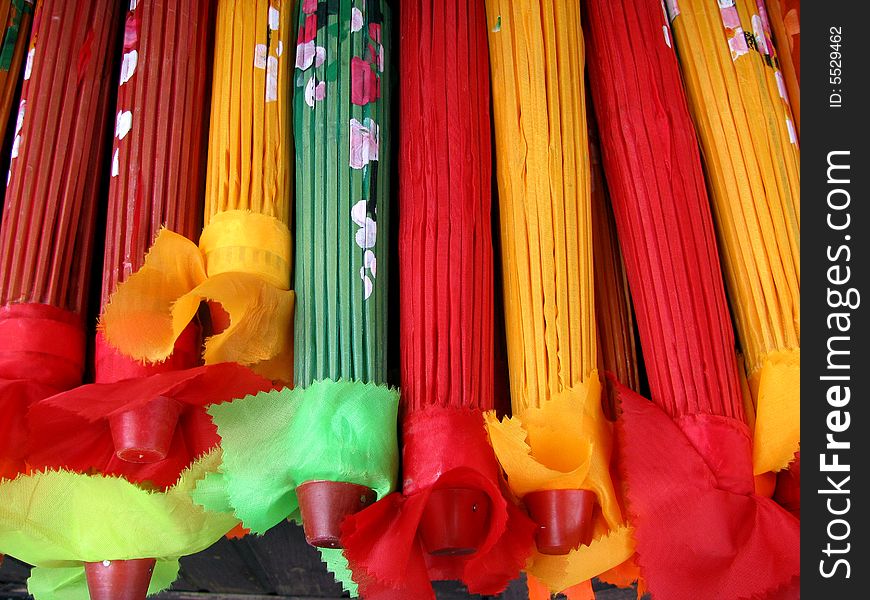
x=240 y=241
x=776 y=392
x=243 y=263
x=566 y=443
x=56 y=520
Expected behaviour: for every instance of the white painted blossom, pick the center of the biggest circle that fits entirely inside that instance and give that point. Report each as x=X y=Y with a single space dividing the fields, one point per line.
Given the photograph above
x=123 y=124
x=271 y=79
x=28 y=66
x=128 y=65
x=356 y=19
x=260 y=56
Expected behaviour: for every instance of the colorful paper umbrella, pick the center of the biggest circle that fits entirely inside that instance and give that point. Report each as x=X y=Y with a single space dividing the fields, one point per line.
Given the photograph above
x=342 y=130
x=111 y=428
x=785 y=21
x=16 y=17
x=46 y=238
x=556 y=449
x=330 y=446
x=752 y=163
x=701 y=531
x=243 y=259
x=72 y=526
x=451 y=520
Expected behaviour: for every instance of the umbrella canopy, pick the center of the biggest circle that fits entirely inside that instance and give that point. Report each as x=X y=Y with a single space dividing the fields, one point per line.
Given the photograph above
x=558 y=437
x=446 y=328
x=686 y=455
x=752 y=160
x=243 y=260
x=343 y=134
x=47 y=232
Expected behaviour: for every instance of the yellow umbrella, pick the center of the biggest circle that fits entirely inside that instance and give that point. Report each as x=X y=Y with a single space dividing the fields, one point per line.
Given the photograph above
x=558 y=437
x=752 y=160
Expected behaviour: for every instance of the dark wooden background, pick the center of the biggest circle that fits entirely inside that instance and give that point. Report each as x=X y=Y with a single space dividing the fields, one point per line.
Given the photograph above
x=277 y=566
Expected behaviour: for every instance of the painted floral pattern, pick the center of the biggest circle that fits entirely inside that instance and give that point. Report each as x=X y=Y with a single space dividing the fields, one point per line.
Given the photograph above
x=359 y=24
x=733 y=29
x=758 y=39
x=341 y=124
x=363 y=143
x=365 y=83
x=129 y=64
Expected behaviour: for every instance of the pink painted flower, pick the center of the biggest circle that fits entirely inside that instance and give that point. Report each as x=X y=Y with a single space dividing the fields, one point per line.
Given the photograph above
x=308 y=54
x=356 y=19
x=365 y=85
x=730 y=17
x=309 y=6
x=314 y=91
x=363 y=143
x=305 y=55
x=308 y=30
x=375 y=32
x=376 y=56
x=737 y=44
x=131 y=32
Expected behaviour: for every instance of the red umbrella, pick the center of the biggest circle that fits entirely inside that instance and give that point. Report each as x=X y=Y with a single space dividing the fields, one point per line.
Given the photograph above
x=785 y=20
x=613 y=312
x=148 y=421
x=701 y=531
x=451 y=520
x=46 y=238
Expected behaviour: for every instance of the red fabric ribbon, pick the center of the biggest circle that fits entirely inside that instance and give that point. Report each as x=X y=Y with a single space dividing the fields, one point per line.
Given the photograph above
x=443 y=448
x=110 y=365
x=16 y=396
x=690 y=492
x=71 y=430
x=788 y=487
x=41 y=343
x=41 y=353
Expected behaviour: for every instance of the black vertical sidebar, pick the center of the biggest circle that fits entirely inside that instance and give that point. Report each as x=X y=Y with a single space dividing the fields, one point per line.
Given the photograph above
x=835 y=370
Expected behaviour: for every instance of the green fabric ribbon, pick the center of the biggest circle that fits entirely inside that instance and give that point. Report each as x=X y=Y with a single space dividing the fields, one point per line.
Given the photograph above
x=57 y=520
x=275 y=441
